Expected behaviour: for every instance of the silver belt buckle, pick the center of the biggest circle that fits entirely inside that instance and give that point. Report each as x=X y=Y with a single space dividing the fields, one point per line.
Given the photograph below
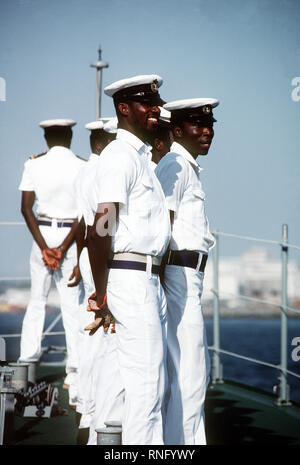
x=200 y=256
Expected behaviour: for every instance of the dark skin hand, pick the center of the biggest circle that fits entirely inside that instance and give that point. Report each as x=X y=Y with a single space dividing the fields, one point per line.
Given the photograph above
x=51 y=256
x=165 y=257
x=80 y=243
x=99 y=241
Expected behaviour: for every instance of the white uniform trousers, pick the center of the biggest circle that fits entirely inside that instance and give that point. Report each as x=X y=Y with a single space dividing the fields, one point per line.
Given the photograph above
x=109 y=395
x=41 y=278
x=188 y=359
x=136 y=300
x=89 y=347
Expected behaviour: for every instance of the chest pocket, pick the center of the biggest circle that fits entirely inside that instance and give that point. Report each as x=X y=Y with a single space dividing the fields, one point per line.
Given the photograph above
x=147 y=181
x=199 y=194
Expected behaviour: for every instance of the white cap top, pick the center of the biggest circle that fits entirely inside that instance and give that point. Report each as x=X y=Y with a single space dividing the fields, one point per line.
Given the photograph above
x=111 y=125
x=94 y=125
x=57 y=122
x=133 y=81
x=190 y=103
x=165 y=115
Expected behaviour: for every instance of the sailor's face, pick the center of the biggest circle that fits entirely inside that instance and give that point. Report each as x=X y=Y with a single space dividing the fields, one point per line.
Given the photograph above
x=144 y=116
x=198 y=137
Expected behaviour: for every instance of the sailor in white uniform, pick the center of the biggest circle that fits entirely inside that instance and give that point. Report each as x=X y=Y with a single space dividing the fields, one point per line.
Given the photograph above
x=102 y=132
x=161 y=140
x=49 y=179
x=188 y=360
x=129 y=236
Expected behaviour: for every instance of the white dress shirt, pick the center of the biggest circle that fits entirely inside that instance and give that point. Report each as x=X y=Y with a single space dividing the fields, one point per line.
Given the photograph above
x=83 y=183
x=124 y=175
x=52 y=178
x=179 y=175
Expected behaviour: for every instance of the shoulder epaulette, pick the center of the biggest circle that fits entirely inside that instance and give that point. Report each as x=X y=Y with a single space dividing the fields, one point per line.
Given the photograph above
x=33 y=157
x=84 y=159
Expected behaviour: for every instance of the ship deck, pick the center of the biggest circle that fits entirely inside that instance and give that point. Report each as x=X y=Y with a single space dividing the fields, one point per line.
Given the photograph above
x=235 y=414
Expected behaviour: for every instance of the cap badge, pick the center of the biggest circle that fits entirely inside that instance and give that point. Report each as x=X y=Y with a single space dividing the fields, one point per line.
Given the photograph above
x=206 y=109
x=154 y=86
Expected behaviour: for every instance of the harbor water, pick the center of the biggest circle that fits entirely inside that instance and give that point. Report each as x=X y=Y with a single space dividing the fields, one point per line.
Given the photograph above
x=258 y=338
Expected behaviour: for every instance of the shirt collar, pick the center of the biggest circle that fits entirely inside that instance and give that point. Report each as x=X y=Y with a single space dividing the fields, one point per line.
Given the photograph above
x=178 y=148
x=93 y=156
x=59 y=149
x=135 y=142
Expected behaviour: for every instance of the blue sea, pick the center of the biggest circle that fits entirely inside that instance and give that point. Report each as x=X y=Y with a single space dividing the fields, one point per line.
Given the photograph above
x=258 y=338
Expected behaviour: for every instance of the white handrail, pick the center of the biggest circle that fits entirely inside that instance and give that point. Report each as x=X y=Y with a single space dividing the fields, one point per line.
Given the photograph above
x=253 y=299
x=254 y=360
x=255 y=239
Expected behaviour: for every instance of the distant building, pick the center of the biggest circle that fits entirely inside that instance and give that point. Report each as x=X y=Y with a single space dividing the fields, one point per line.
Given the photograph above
x=255 y=274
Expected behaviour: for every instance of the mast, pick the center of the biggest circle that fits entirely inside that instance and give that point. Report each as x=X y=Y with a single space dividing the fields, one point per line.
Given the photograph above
x=99 y=65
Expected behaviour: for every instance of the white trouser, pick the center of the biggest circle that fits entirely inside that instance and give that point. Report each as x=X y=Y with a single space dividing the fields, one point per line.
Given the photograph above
x=110 y=390
x=188 y=358
x=41 y=278
x=136 y=300
x=109 y=396
x=89 y=347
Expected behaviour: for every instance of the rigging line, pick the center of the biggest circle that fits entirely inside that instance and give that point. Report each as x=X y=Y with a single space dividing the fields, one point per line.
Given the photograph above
x=56 y=320
x=249 y=359
x=240 y=296
x=256 y=239
x=220 y=233
x=54 y=333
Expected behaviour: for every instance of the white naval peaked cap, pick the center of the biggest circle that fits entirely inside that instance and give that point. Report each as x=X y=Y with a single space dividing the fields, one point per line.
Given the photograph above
x=132 y=82
x=165 y=115
x=57 y=122
x=111 y=126
x=191 y=103
x=94 y=125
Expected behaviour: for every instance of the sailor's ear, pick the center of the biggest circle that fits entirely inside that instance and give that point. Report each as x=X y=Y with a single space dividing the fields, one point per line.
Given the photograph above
x=178 y=132
x=123 y=108
x=158 y=144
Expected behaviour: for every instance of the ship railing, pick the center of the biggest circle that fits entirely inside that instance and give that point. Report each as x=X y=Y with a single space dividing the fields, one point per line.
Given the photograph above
x=282 y=389
x=217 y=368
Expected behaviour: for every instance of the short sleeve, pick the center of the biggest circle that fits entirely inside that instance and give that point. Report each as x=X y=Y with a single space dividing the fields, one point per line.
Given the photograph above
x=114 y=176
x=172 y=175
x=26 y=181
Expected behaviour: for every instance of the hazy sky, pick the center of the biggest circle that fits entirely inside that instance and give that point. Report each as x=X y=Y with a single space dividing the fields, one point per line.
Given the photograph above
x=245 y=53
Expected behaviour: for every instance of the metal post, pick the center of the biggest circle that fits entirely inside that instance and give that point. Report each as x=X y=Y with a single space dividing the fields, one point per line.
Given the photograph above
x=7 y=397
x=2 y=349
x=99 y=65
x=283 y=386
x=109 y=436
x=216 y=365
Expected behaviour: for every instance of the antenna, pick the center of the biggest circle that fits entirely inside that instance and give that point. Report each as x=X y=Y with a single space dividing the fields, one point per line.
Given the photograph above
x=99 y=65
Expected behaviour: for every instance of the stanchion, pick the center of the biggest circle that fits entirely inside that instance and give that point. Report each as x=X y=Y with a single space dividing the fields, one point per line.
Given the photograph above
x=109 y=436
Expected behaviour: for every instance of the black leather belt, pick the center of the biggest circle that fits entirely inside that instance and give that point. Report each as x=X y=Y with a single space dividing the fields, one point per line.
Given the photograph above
x=60 y=224
x=131 y=265
x=187 y=258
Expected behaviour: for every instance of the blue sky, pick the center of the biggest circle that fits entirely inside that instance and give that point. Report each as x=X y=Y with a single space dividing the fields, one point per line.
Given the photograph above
x=245 y=53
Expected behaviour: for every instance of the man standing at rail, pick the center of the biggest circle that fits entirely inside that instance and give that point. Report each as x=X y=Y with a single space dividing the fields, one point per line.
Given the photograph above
x=48 y=179
x=188 y=360
x=129 y=236
x=101 y=134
